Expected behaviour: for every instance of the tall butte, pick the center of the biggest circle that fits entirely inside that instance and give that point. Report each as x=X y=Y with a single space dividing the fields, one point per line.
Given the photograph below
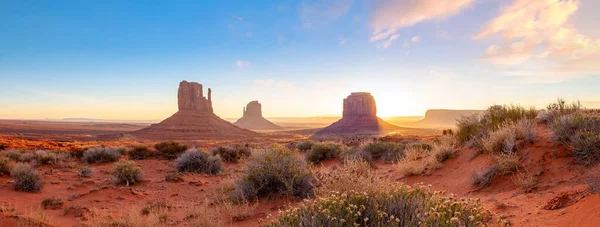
x=194 y=120
x=252 y=118
x=359 y=117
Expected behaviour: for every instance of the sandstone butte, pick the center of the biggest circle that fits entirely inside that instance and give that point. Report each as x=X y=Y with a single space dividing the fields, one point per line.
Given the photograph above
x=194 y=120
x=252 y=118
x=359 y=117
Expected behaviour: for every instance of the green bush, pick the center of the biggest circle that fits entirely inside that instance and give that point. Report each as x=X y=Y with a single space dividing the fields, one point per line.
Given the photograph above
x=126 y=172
x=139 y=153
x=585 y=147
x=304 y=145
x=5 y=166
x=392 y=205
x=170 y=150
x=322 y=151
x=26 y=178
x=231 y=154
x=274 y=170
x=194 y=161
x=388 y=151
x=102 y=154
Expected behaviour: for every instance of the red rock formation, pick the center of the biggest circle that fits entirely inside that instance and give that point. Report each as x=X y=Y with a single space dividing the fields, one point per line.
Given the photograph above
x=359 y=117
x=195 y=119
x=252 y=118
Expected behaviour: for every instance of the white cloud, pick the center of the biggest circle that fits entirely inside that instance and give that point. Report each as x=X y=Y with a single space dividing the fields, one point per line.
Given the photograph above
x=242 y=64
x=390 y=15
x=538 y=32
x=388 y=42
x=416 y=39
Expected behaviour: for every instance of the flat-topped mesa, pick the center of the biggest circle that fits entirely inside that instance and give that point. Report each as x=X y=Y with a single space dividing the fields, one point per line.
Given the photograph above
x=253 y=109
x=191 y=97
x=359 y=104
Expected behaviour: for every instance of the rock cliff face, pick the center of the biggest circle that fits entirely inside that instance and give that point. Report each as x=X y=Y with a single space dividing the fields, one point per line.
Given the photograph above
x=190 y=97
x=359 y=104
x=252 y=118
x=195 y=119
x=359 y=117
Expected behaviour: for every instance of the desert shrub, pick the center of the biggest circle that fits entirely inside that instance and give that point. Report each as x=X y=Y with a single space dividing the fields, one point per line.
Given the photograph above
x=419 y=166
x=351 y=154
x=502 y=140
x=26 y=178
x=304 y=145
x=85 y=171
x=126 y=172
x=483 y=177
x=322 y=151
x=559 y=108
x=355 y=175
x=585 y=147
x=77 y=152
x=139 y=153
x=101 y=155
x=508 y=163
x=274 y=170
x=52 y=203
x=13 y=154
x=194 y=161
x=444 y=149
x=232 y=154
x=563 y=127
x=447 y=132
x=497 y=116
x=413 y=153
x=387 y=151
x=422 y=146
x=26 y=157
x=170 y=150
x=525 y=180
x=44 y=157
x=391 y=205
x=468 y=128
x=5 y=166
x=594 y=183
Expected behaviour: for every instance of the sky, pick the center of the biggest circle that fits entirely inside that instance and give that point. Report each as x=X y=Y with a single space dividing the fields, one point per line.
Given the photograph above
x=123 y=60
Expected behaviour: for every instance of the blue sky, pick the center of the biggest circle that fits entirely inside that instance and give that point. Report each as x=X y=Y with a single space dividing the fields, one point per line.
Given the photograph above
x=124 y=60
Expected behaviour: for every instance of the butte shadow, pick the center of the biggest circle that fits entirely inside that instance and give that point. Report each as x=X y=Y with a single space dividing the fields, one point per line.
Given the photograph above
x=194 y=120
x=359 y=117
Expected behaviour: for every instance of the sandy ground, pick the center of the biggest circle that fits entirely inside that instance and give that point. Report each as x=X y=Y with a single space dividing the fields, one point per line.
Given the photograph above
x=560 y=180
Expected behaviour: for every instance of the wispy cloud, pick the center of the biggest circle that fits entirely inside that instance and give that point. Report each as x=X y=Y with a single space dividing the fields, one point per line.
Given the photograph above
x=242 y=64
x=388 y=42
x=389 y=16
x=537 y=32
x=316 y=12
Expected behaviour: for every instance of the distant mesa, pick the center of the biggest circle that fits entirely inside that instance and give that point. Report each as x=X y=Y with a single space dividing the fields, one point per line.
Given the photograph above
x=252 y=118
x=443 y=117
x=194 y=120
x=359 y=117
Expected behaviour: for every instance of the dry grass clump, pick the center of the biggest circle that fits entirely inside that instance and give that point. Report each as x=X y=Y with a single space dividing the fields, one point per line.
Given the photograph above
x=52 y=203
x=483 y=177
x=85 y=171
x=355 y=174
x=130 y=218
x=525 y=180
x=194 y=161
x=559 y=108
x=323 y=151
x=5 y=166
x=508 y=163
x=14 y=154
x=102 y=154
x=390 y=205
x=509 y=137
x=352 y=154
x=594 y=183
x=26 y=157
x=420 y=158
x=174 y=177
x=43 y=157
x=274 y=170
x=139 y=153
x=444 y=149
x=304 y=145
x=232 y=154
x=387 y=151
x=585 y=147
x=126 y=172
x=471 y=129
x=170 y=150
x=26 y=178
